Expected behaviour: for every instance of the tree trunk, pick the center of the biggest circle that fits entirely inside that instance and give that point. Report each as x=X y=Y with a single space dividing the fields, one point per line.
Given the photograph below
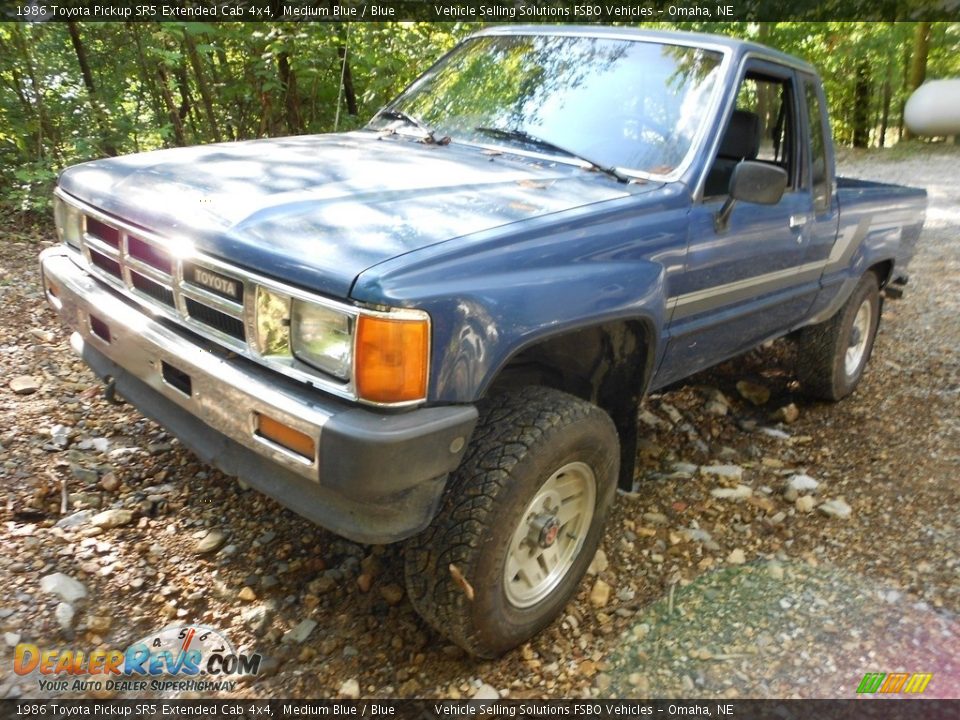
x=202 y=85
x=918 y=63
x=218 y=65
x=921 y=48
x=172 y=111
x=105 y=142
x=902 y=103
x=861 y=106
x=82 y=58
x=148 y=79
x=885 y=115
x=183 y=86
x=288 y=81
x=348 y=92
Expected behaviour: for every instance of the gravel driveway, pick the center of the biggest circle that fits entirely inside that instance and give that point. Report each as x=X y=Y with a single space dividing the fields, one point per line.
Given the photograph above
x=731 y=571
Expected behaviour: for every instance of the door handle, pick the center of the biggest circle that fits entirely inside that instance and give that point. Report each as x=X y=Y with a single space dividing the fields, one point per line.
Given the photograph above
x=797 y=221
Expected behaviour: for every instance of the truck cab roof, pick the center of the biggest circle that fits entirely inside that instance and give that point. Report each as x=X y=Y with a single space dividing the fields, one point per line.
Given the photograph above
x=725 y=44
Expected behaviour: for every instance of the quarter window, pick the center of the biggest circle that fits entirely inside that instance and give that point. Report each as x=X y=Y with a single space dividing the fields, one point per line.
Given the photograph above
x=818 y=151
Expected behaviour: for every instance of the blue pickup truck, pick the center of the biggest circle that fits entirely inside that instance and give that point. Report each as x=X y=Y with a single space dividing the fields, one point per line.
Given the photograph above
x=438 y=329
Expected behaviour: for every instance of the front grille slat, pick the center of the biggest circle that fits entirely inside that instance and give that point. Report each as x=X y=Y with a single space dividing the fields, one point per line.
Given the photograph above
x=197 y=296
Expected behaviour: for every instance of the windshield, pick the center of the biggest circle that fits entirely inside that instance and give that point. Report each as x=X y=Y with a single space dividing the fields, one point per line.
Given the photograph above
x=617 y=103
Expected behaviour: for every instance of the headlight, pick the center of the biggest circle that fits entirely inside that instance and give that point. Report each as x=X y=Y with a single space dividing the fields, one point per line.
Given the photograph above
x=391 y=362
x=69 y=222
x=273 y=323
x=322 y=337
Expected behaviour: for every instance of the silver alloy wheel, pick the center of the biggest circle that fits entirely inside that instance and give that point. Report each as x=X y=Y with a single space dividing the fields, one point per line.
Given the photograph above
x=550 y=534
x=859 y=335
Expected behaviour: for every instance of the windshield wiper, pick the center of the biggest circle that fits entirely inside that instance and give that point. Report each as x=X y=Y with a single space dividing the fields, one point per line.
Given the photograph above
x=393 y=114
x=429 y=136
x=525 y=137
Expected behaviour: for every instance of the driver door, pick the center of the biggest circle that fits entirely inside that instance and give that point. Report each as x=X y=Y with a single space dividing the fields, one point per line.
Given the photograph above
x=748 y=281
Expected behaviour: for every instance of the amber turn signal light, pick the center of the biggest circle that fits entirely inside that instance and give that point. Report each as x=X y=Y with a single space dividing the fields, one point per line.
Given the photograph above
x=392 y=357
x=285 y=436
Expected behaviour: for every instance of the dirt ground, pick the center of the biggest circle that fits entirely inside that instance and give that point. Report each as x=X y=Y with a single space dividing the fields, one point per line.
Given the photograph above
x=762 y=594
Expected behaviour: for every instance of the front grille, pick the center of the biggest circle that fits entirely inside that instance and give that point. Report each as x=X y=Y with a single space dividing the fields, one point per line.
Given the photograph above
x=153 y=289
x=204 y=299
x=215 y=319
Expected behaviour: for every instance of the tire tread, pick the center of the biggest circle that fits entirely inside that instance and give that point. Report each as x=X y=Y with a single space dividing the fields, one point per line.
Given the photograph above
x=819 y=346
x=510 y=425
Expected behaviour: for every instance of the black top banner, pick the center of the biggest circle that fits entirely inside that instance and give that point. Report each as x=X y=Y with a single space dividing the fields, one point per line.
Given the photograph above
x=514 y=11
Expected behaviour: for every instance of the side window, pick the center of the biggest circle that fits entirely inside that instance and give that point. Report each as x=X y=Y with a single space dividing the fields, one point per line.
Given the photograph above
x=761 y=127
x=818 y=151
x=771 y=100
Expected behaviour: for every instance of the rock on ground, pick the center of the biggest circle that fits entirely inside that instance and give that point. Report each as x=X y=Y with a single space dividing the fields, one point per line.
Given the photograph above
x=836 y=509
x=724 y=472
x=350 y=689
x=301 y=632
x=112 y=518
x=600 y=594
x=211 y=542
x=63 y=586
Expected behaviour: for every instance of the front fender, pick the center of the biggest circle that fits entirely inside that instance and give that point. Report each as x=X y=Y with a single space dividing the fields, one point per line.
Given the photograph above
x=491 y=318
x=533 y=309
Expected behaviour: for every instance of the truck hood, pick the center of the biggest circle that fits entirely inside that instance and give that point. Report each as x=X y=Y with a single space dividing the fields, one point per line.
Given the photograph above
x=319 y=210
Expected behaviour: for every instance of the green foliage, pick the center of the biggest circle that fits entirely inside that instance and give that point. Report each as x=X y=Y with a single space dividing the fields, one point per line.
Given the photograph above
x=30 y=185
x=153 y=85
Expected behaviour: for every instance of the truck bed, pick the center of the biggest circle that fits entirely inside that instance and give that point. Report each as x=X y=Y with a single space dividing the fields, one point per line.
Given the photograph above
x=896 y=214
x=872 y=186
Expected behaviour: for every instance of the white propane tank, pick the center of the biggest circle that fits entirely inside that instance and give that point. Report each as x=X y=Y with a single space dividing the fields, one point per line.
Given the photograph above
x=934 y=108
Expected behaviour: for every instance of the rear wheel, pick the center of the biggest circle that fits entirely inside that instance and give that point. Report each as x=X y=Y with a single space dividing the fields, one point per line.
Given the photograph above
x=834 y=353
x=521 y=519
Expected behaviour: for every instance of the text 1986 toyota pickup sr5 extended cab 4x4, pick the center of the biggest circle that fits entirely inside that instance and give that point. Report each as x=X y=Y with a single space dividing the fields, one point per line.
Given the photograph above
x=438 y=329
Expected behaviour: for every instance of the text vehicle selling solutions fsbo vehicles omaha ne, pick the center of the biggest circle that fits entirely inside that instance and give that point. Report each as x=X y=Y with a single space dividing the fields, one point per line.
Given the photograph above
x=437 y=329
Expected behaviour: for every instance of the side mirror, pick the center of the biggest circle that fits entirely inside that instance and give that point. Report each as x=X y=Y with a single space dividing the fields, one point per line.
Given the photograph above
x=753 y=182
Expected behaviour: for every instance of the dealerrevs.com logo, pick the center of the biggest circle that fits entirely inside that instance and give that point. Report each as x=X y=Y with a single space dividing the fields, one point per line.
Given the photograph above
x=176 y=659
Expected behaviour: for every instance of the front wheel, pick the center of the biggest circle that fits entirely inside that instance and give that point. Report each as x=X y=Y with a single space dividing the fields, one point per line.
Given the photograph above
x=521 y=519
x=834 y=353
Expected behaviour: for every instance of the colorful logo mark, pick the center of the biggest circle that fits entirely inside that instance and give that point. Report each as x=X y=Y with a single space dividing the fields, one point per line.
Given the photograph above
x=185 y=651
x=894 y=683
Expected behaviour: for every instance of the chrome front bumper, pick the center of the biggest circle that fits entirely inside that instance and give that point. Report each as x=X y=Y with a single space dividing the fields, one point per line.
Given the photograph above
x=374 y=477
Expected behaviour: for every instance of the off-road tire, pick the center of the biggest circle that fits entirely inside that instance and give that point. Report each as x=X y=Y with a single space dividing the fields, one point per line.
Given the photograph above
x=522 y=439
x=822 y=348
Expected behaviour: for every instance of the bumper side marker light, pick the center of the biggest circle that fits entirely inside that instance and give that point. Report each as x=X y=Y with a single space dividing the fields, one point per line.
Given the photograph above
x=285 y=436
